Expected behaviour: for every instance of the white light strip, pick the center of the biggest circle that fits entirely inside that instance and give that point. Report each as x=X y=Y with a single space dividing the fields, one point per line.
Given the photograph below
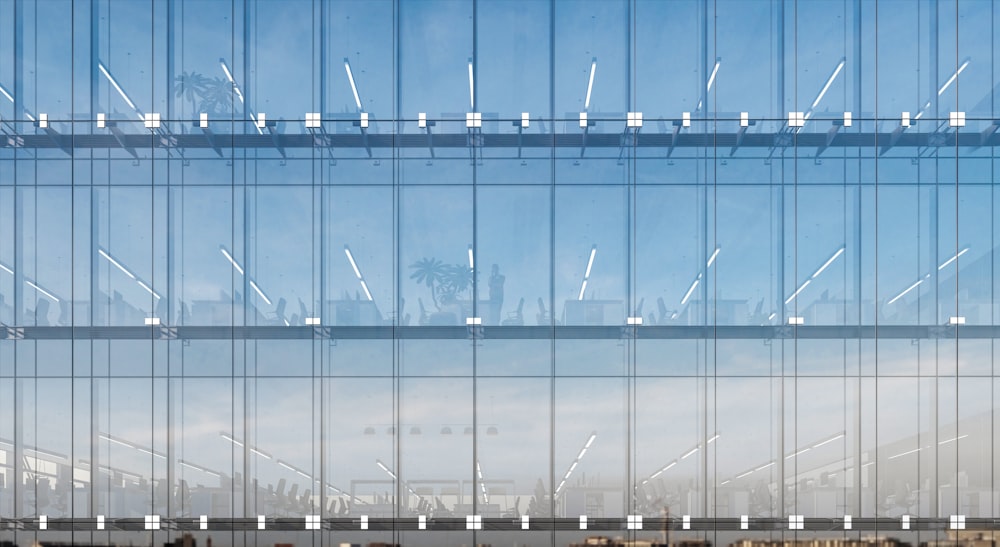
x=260 y=292
x=952 y=439
x=229 y=75
x=908 y=289
x=590 y=262
x=230 y=439
x=472 y=89
x=590 y=84
x=286 y=466
x=900 y=455
x=952 y=259
x=572 y=466
x=472 y=262
x=41 y=290
x=113 y=261
x=797 y=291
x=350 y=258
x=716 y=436
x=583 y=287
x=354 y=88
x=384 y=468
x=830 y=440
x=6 y=269
x=690 y=290
x=231 y=260
x=711 y=259
x=804 y=450
x=744 y=474
x=590 y=441
x=148 y=289
x=829 y=82
x=6 y=94
x=711 y=79
x=692 y=451
x=953 y=78
x=116 y=441
x=118 y=88
x=828 y=262
x=765 y=466
x=367 y=292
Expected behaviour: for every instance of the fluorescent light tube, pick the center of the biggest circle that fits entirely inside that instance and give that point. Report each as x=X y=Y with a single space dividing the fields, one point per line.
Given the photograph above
x=354 y=88
x=744 y=474
x=386 y=469
x=41 y=290
x=797 y=291
x=690 y=290
x=590 y=84
x=900 y=455
x=952 y=259
x=115 y=262
x=286 y=466
x=908 y=289
x=6 y=269
x=692 y=451
x=350 y=258
x=260 y=292
x=148 y=289
x=230 y=439
x=830 y=440
x=715 y=70
x=714 y=437
x=583 y=287
x=804 y=450
x=472 y=88
x=231 y=260
x=367 y=292
x=116 y=86
x=711 y=259
x=828 y=262
x=829 y=82
x=6 y=94
x=765 y=466
x=952 y=79
x=590 y=441
x=952 y=439
x=590 y=262
x=472 y=263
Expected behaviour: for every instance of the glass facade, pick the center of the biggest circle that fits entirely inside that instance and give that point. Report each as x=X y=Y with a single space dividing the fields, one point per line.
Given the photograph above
x=458 y=272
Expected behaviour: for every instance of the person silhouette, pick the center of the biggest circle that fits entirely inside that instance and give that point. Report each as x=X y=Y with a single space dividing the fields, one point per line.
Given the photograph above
x=496 y=294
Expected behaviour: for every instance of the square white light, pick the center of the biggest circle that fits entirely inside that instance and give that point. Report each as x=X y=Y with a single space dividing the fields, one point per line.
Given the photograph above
x=152 y=120
x=744 y=119
x=470 y=120
x=634 y=522
x=43 y=120
x=525 y=120
x=101 y=121
x=261 y=522
x=312 y=120
x=906 y=522
x=364 y=522
x=633 y=119
x=847 y=522
x=312 y=320
x=524 y=522
x=796 y=119
x=422 y=120
x=744 y=522
x=364 y=119
x=796 y=321
x=904 y=119
x=203 y=120
x=583 y=119
x=261 y=120
x=686 y=119
x=203 y=522
x=43 y=522
x=956 y=119
x=152 y=522
x=422 y=522
x=583 y=522
x=152 y=321
x=848 y=119
x=686 y=522
x=633 y=321
x=960 y=320
x=100 y=522
x=473 y=320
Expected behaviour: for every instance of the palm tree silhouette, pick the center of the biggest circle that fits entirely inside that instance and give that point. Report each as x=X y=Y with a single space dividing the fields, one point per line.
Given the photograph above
x=430 y=272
